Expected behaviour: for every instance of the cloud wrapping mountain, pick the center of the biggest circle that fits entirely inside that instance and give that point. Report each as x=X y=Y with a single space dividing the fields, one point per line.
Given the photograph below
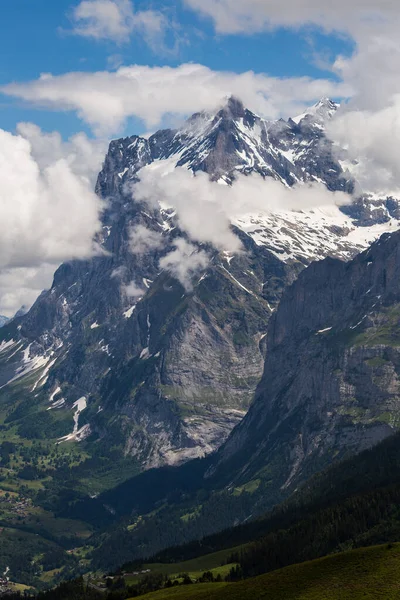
x=205 y=209
x=184 y=262
x=368 y=125
x=105 y=99
x=48 y=209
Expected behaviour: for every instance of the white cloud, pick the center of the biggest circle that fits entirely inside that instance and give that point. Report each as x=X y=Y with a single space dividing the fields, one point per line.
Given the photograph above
x=201 y=205
x=153 y=26
x=132 y=290
x=369 y=124
x=84 y=156
x=117 y=21
x=119 y=272
x=48 y=211
x=105 y=100
x=185 y=262
x=251 y=16
x=205 y=209
x=372 y=140
x=143 y=240
x=21 y=286
x=104 y=19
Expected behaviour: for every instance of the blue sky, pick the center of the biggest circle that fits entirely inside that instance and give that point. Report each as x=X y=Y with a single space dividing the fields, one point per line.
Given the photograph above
x=103 y=69
x=35 y=38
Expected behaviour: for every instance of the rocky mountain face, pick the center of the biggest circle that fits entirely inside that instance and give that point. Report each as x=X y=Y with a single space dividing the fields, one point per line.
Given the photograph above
x=330 y=389
x=119 y=353
x=331 y=383
x=3 y=320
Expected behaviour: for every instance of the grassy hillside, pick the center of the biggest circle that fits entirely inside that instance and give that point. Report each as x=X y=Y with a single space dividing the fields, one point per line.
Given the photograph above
x=349 y=505
x=183 y=517
x=367 y=574
x=217 y=563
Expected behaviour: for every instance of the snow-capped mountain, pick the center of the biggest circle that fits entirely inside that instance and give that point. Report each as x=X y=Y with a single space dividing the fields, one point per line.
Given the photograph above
x=119 y=353
x=296 y=151
x=320 y=112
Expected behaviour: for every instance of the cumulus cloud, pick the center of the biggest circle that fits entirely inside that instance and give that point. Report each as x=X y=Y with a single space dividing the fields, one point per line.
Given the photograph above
x=205 y=209
x=184 y=262
x=84 y=156
x=117 y=20
x=22 y=285
x=236 y=16
x=48 y=211
x=105 y=99
x=143 y=240
x=372 y=143
x=104 y=19
x=367 y=125
x=201 y=205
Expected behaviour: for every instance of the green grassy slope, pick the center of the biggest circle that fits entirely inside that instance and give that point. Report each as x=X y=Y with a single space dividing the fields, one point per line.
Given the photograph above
x=367 y=574
x=217 y=563
x=369 y=480
x=170 y=527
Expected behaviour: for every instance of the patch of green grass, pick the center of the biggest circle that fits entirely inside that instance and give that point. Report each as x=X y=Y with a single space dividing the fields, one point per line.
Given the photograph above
x=251 y=487
x=107 y=476
x=191 y=592
x=386 y=332
x=195 y=513
x=48 y=576
x=20 y=587
x=363 y=574
x=377 y=362
x=215 y=562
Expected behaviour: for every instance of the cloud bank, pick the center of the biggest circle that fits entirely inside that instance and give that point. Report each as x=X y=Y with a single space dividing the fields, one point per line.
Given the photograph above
x=253 y=16
x=49 y=212
x=367 y=125
x=43 y=177
x=204 y=210
x=105 y=99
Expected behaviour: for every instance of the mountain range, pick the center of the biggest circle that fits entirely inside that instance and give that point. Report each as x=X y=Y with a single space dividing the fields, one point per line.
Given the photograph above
x=330 y=390
x=168 y=372
x=146 y=408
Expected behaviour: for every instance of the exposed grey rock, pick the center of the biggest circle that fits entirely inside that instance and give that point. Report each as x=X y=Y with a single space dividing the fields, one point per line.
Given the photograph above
x=331 y=384
x=167 y=375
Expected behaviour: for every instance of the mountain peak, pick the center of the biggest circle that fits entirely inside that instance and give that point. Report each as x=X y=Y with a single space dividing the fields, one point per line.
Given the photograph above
x=323 y=110
x=234 y=108
x=326 y=107
x=325 y=102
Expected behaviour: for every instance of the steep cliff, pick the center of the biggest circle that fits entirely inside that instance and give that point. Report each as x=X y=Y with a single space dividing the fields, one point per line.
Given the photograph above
x=118 y=354
x=331 y=381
